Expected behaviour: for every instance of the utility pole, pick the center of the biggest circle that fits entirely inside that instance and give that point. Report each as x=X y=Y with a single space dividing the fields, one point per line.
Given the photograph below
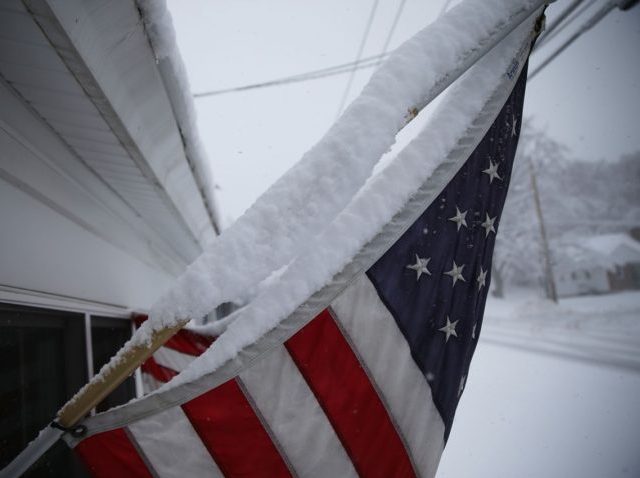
x=550 y=282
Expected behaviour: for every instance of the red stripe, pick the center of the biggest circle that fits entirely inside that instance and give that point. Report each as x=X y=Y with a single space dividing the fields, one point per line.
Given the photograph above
x=348 y=398
x=233 y=434
x=184 y=341
x=189 y=342
x=157 y=371
x=111 y=454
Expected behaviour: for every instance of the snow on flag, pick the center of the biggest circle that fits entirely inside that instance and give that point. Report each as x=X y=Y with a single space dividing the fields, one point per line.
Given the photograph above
x=368 y=387
x=172 y=357
x=364 y=377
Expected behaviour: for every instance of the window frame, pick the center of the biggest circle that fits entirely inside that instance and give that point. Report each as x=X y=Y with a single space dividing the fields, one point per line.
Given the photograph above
x=72 y=305
x=77 y=314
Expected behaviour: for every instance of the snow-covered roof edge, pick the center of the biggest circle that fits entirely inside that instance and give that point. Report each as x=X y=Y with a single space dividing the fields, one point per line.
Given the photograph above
x=608 y=243
x=603 y=250
x=162 y=37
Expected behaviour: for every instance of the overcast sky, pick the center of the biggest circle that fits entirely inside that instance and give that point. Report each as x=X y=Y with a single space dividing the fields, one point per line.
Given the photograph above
x=589 y=98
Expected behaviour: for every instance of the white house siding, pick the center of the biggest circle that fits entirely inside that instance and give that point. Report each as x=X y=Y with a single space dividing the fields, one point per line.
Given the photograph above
x=99 y=199
x=44 y=251
x=573 y=281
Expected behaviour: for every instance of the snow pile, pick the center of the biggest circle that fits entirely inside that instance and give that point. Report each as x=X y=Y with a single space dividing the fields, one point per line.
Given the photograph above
x=602 y=329
x=385 y=195
x=526 y=305
x=550 y=411
x=159 y=28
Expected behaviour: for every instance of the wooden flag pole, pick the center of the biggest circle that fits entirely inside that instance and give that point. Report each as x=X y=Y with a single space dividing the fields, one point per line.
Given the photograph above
x=104 y=383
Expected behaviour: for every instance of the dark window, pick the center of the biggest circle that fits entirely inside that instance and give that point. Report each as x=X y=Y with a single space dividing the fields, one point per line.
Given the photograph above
x=42 y=364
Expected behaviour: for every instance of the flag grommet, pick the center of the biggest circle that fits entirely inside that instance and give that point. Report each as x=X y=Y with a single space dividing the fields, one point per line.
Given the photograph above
x=77 y=431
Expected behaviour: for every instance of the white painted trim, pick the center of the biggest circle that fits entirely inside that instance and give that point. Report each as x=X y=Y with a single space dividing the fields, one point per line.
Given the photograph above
x=88 y=339
x=88 y=347
x=34 y=298
x=137 y=374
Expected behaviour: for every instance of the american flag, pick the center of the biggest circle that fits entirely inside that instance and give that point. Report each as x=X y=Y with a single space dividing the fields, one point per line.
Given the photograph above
x=369 y=387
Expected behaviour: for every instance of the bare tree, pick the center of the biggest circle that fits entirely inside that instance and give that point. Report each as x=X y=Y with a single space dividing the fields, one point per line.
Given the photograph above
x=522 y=255
x=578 y=198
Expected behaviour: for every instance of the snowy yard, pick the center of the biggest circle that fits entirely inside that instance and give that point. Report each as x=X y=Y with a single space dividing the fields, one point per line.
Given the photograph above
x=553 y=392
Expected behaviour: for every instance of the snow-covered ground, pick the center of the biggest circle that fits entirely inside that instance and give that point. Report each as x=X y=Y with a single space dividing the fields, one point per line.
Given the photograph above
x=554 y=391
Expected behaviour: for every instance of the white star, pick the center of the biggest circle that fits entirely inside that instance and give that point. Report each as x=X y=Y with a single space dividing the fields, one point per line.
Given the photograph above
x=463 y=379
x=420 y=266
x=473 y=332
x=481 y=279
x=514 y=125
x=459 y=218
x=456 y=273
x=449 y=329
x=492 y=171
x=488 y=225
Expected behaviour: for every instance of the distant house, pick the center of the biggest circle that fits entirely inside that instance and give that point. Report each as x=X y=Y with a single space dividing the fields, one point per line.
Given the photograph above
x=580 y=276
x=623 y=254
x=105 y=197
x=600 y=264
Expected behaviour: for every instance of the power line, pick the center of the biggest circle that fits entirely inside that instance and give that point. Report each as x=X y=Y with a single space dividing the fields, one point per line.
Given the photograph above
x=557 y=21
x=558 y=26
x=599 y=15
x=368 y=62
x=375 y=60
x=359 y=55
x=444 y=8
x=393 y=26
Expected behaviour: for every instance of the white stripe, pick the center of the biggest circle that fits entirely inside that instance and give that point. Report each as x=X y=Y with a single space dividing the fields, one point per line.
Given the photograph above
x=172 y=359
x=149 y=383
x=172 y=447
x=385 y=353
x=294 y=416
